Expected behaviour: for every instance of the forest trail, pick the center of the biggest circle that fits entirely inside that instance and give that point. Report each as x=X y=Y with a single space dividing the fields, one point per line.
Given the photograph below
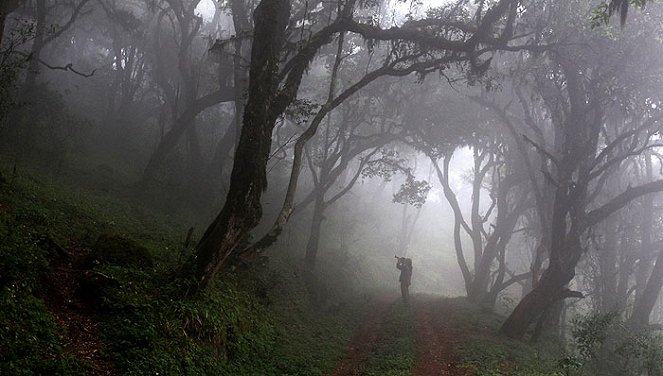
x=73 y=312
x=435 y=339
x=358 y=351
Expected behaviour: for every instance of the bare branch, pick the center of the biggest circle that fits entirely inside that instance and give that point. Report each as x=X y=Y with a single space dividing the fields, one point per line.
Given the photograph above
x=541 y=150
x=67 y=68
x=597 y=215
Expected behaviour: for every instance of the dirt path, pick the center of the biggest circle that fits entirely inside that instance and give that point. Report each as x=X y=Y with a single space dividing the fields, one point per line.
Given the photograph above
x=74 y=314
x=435 y=339
x=359 y=349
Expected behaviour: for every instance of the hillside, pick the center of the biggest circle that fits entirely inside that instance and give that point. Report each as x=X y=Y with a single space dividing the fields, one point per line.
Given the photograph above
x=90 y=286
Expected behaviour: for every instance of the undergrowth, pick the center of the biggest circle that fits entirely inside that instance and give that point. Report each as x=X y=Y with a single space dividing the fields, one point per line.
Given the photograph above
x=485 y=354
x=256 y=321
x=395 y=350
x=30 y=340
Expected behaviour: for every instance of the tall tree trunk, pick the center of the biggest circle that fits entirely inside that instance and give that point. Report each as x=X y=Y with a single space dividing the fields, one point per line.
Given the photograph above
x=625 y=268
x=242 y=210
x=652 y=290
x=37 y=46
x=459 y=222
x=316 y=227
x=607 y=286
x=240 y=79
x=26 y=133
x=646 y=225
x=549 y=291
x=223 y=152
x=195 y=156
x=565 y=253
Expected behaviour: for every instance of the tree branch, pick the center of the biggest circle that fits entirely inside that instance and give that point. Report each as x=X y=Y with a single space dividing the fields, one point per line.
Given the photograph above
x=597 y=215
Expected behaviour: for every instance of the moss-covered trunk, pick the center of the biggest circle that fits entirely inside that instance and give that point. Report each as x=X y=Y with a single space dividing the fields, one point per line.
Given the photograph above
x=242 y=210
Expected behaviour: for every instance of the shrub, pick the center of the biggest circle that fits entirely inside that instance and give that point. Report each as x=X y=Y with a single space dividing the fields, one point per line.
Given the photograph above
x=605 y=345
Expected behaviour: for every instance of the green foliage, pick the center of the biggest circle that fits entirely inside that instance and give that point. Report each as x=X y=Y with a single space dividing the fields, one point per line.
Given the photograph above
x=42 y=129
x=117 y=250
x=590 y=333
x=151 y=327
x=22 y=261
x=412 y=192
x=30 y=340
x=147 y=323
x=252 y=322
x=388 y=164
x=605 y=345
x=490 y=356
x=29 y=337
x=486 y=354
x=307 y=340
x=301 y=110
x=602 y=13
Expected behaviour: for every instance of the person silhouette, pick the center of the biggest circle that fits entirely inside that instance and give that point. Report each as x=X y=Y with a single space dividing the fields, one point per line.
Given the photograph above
x=405 y=266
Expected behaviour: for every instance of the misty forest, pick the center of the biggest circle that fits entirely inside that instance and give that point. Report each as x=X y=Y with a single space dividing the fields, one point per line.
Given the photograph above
x=331 y=187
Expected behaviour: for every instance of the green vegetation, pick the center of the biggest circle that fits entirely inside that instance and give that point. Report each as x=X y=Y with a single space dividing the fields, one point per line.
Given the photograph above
x=254 y=321
x=30 y=340
x=601 y=345
x=257 y=321
x=605 y=345
x=486 y=354
x=395 y=351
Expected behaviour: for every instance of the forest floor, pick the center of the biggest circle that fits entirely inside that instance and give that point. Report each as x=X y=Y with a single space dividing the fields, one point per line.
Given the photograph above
x=435 y=338
x=74 y=313
x=66 y=311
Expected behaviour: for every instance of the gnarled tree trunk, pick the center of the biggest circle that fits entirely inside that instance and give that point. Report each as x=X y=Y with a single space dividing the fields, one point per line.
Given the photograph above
x=242 y=210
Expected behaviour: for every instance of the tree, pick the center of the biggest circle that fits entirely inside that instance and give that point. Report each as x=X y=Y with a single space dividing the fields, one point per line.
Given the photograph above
x=273 y=88
x=574 y=90
x=181 y=92
x=335 y=153
x=6 y=8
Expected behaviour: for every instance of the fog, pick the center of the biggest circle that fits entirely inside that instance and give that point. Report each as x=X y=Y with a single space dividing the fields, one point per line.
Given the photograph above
x=511 y=149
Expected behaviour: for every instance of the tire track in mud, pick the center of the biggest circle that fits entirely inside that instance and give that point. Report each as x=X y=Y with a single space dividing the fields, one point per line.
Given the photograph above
x=358 y=351
x=435 y=339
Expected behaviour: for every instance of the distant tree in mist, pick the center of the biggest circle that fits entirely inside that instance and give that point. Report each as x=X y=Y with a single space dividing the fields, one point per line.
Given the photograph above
x=271 y=92
x=438 y=129
x=181 y=87
x=352 y=136
x=576 y=87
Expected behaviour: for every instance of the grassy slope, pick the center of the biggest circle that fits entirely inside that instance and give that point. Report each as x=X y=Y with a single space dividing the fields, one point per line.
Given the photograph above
x=252 y=322
x=486 y=354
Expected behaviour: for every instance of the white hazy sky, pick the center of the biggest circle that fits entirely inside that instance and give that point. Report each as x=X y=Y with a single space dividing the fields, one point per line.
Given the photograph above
x=206 y=7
